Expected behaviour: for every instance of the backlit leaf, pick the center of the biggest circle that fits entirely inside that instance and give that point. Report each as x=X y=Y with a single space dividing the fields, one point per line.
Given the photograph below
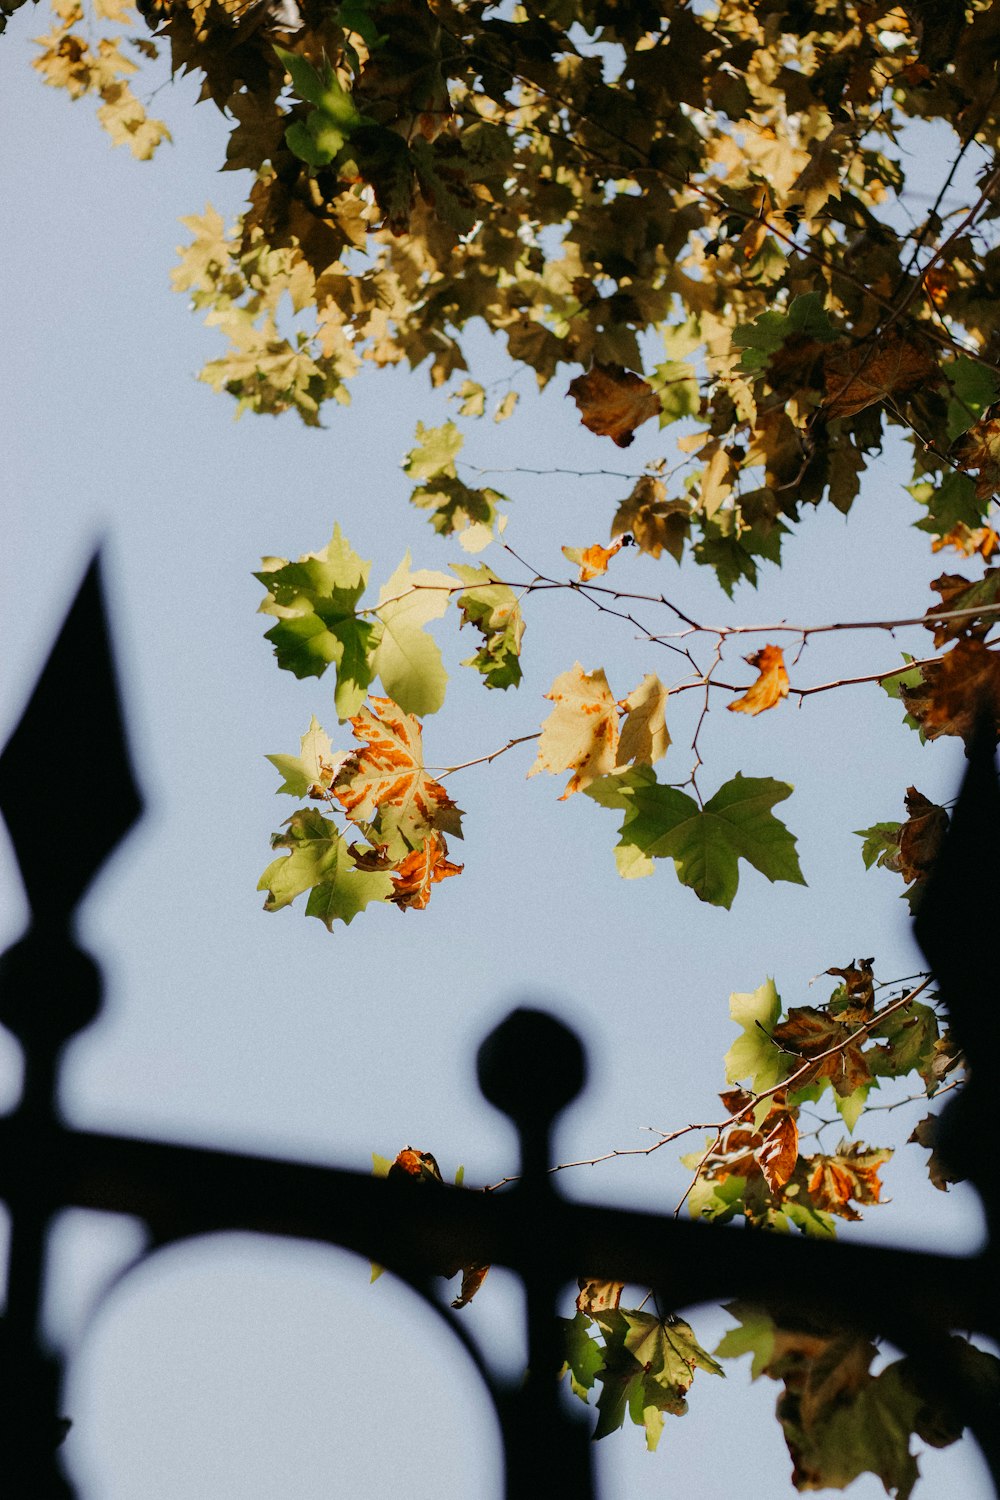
x=406 y=658
x=581 y=732
x=319 y=862
x=771 y=685
x=613 y=402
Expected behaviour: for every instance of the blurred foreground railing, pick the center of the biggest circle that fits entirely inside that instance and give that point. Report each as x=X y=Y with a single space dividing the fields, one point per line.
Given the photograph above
x=531 y=1067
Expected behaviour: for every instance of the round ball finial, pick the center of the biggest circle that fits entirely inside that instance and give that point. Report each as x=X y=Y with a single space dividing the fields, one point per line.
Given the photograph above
x=531 y=1066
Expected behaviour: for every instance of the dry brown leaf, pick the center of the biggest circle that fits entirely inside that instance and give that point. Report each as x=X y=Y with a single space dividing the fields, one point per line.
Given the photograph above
x=858 y=376
x=851 y=1174
x=472 y=1279
x=771 y=684
x=808 y=1032
x=613 y=402
x=655 y=522
x=921 y=837
x=979 y=449
x=955 y=690
x=779 y=1152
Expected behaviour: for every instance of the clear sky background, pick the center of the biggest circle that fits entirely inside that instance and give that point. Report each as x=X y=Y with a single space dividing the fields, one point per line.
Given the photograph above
x=249 y=1370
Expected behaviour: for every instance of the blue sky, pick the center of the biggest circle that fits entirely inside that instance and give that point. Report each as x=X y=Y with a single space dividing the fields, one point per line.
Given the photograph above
x=245 y=1370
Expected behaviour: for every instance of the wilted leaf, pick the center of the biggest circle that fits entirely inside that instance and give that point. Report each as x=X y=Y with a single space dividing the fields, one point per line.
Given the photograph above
x=921 y=836
x=656 y=523
x=771 y=685
x=613 y=402
x=849 y=1176
x=925 y=1133
x=581 y=733
x=419 y=870
x=807 y=1032
x=592 y=561
x=978 y=449
x=644 y=737
x=859 y=375
x=779 y=1151
x=387 y=780
x=472 y=1279
x=958 y=593
x=953 y=691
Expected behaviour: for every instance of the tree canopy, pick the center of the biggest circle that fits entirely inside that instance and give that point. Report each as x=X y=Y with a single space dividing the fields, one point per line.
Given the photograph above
x=697 y=215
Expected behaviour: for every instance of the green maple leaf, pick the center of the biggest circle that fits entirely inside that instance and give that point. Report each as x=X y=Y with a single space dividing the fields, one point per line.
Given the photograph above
x=315 y=601
x=319 y=862
x=315 y=764
x=649 y=1364
x=706 y=843
x=754 y=1335
x=753 y=1057
x=493 y=609
x=437 y=448
x=881 y=843
x=406 y=658
x=584 y=1355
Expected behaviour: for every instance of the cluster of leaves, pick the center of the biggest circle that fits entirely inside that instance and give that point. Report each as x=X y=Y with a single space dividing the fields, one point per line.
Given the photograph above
x=609 y=746
x=581 y=176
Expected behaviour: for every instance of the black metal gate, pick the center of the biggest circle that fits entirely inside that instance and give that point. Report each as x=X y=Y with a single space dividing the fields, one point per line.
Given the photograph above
x=530 y=1067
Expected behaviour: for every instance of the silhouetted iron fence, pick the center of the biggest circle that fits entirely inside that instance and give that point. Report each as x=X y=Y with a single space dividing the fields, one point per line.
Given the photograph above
x=531 y=1067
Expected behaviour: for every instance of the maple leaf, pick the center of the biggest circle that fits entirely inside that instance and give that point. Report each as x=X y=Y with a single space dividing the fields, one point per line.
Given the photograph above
x=581 y=732
x=386 y=781
x=492 y=608
x=925 y=1133
x=592 y=561
x=421 y=1169
x=319 y=862
x=613 y=402
x=952 y=692
x=962 y=593
x=309 y=773
x=849 y=1176
x=584 y=1356
x=979 y=449
x=315 y=601
x=648 y=1367
x=771 y=685
x=406 y=658
x=705 y=843
x=753 y=1056
x=921 y=836
x=981 y=540
x=807 y=1031
x=597 y=1296
x=779 y=1151
x=644 y=736
x=419 y=870
x=859 y=375
x=881 y=845
x=655 y=523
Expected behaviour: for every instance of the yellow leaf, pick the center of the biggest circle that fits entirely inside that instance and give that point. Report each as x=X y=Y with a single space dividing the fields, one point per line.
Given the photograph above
x=581 y=733
x=592 y=561
x=644 y=737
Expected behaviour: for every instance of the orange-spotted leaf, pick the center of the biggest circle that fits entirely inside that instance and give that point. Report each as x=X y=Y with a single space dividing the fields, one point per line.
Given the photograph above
x=644 y=737
x=850 y=1176
x=581 y=732
x=613 y=402
x=771 y=684
x=386 y=783
x=592 y=561
x=858 y=376
x=422 y=868
x=419 y=1165
x=597 y=1296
